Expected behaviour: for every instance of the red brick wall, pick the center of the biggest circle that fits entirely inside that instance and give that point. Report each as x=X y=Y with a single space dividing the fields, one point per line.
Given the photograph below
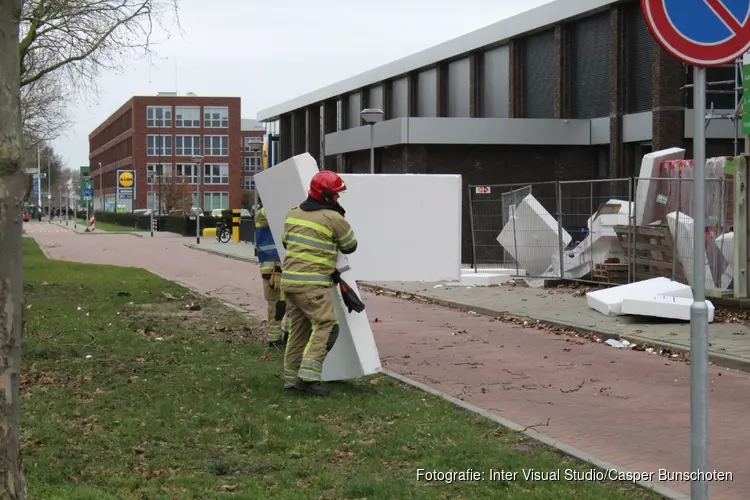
x=140 y=159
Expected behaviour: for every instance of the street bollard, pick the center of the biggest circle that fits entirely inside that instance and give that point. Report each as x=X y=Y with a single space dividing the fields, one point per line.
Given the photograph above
x=236 y=225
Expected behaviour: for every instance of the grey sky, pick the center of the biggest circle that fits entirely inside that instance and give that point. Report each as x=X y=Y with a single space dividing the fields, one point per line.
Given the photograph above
x=267 y=52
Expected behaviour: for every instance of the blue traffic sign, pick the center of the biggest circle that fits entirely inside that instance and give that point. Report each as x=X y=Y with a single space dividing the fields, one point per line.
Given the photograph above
x=87 y=192
x=700 y=32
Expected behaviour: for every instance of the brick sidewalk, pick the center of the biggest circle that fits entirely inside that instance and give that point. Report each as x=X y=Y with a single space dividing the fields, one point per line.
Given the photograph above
x=624 y=407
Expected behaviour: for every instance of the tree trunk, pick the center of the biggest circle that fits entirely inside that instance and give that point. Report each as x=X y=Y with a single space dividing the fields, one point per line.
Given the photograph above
x=12 y=188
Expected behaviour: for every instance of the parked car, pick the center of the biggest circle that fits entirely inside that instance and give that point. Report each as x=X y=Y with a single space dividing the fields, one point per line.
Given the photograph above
x=26 y=217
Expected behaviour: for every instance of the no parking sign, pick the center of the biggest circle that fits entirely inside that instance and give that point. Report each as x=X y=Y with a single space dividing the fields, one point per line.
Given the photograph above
x=700 y=32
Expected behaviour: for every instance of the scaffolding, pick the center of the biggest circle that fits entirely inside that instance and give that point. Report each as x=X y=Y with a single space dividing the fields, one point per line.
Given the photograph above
x=714 y=88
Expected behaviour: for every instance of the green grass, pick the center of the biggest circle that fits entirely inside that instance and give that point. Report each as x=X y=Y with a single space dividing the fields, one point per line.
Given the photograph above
x=129 y=394
x=109 y=227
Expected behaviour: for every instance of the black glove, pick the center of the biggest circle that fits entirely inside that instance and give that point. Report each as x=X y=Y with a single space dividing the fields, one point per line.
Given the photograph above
x=351 y=300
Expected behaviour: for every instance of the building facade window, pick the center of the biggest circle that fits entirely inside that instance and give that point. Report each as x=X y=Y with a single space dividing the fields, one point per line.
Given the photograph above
x=187 y=145
x=216 y=145
x=216 y=173
x=158 y=116
x=154 y=171
x=249 y=183
x=159 y=145
x=251 y=163
x=213 y=200
x=187 y=116
x=216 y=117
x=188 y=172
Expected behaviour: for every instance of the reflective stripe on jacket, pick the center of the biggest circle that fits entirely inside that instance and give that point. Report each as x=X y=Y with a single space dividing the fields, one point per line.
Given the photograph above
x=312 y=240
x=268 y=255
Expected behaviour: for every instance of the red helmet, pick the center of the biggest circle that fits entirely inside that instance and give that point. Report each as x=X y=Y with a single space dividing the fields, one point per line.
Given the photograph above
x=325 y=185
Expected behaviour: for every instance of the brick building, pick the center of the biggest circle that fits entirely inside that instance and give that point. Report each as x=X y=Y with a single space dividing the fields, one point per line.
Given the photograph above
x=574 y=89
x=252 y=134
x=157 y=137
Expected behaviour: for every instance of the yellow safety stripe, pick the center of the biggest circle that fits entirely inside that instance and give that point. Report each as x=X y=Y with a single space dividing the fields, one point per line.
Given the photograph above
x=290 y=278
x=310 y=225
x=311 y=242
x=314 y=325
x=311 y=258
x=309 y=376
x=347 y=240
x=261 y=224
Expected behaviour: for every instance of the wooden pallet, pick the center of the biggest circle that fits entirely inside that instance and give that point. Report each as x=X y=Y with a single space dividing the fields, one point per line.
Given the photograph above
x=653 y=249
x=610 y=272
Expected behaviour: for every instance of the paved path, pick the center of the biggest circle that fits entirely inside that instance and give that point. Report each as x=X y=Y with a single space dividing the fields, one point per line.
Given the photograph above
x=629 y=408
x=730 y=343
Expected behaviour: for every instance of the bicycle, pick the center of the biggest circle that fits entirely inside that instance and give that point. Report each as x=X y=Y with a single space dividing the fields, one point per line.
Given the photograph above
x=223 y=234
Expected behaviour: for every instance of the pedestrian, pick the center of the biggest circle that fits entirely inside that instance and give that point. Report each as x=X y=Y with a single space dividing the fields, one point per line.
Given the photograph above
x=270 y=272
x=314 y=233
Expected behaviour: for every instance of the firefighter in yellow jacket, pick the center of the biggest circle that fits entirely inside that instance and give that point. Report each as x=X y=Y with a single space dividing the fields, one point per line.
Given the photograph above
x=270 y=271
x=314 y=233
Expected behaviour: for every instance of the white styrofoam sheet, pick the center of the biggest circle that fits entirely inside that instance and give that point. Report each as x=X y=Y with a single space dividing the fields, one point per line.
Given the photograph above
x=486 y=278
x=603 y=224
x=408 y=226
x=282 y=187
x=609 y=300
x=645 y=194
x=681 y=229
x=725 y=246
x=660 y=306
x=531 y=236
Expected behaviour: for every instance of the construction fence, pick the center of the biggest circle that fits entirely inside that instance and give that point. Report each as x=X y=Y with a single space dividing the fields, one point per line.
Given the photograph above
x=595 y=231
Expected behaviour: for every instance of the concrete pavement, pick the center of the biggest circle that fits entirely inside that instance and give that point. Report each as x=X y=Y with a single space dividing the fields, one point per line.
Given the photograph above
x=730 y=342
x=625 y=407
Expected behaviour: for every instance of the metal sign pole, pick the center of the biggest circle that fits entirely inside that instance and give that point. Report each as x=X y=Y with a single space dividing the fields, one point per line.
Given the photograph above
x=699 y=309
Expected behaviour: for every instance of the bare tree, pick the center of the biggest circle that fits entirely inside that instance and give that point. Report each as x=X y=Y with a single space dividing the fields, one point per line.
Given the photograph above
x=78 y=38
x=44 y=109
x=49 y=48
x=12 y=188
x=177 y=195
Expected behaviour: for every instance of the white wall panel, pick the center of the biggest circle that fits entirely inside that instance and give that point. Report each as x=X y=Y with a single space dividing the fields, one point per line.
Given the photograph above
x=408 y=226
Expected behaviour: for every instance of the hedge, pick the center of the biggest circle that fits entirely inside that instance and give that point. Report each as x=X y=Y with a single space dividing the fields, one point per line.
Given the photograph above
x=180 y=224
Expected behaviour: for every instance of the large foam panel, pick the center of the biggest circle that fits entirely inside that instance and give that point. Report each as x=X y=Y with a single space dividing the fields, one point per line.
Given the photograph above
x=282 y=187
x=408 y=226
x=646 y=192
x=531 y=236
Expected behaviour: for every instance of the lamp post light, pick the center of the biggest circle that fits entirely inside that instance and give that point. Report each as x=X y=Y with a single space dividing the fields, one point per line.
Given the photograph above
x=198 y=159
x=371 y=116
x=255 y=147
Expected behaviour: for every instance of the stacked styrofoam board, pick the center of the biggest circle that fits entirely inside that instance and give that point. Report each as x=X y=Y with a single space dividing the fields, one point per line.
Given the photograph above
x=532 y=237
x=646 y=191
x=281 y=188
x=661 y=306
x=681 y=229
x=609 y=301
x=486 y=278
x=600 y=244
x=725 y=248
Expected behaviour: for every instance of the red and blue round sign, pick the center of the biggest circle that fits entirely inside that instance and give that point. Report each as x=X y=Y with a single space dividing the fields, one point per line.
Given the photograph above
x=700 y=32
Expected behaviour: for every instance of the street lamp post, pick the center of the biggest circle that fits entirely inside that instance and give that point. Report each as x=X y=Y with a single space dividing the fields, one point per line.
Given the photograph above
x=255 y=147
x=371 y=116
x=198 y=159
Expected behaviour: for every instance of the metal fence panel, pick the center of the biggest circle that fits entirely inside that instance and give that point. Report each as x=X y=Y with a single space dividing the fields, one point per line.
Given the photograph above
x=673 y=205
x=586 y=230
x=589 y=210
x=494 y=210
